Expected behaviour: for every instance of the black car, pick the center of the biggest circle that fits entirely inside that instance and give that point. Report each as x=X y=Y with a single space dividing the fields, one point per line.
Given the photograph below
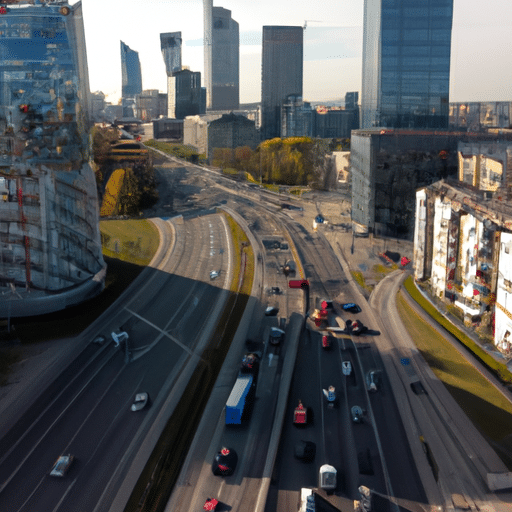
x=224 y=462
x=271 y=311
x=351 y=307
x=249 y=363
x=305 y=450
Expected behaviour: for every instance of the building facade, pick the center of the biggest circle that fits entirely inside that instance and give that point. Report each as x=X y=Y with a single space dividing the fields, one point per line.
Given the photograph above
x=282 y=73
x=406 y=64
x=148 y=105
x=335 y=123
x=463 y=252
x=184 y=94
x=50 y=245
x=131 y=80
x=170 y=44
x=225 y=67
x=481 y=116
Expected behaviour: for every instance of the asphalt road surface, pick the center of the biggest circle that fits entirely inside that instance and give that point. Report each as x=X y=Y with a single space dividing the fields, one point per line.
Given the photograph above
x=87 y=411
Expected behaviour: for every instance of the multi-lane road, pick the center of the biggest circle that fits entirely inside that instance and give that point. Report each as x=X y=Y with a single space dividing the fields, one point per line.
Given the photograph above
x=87 y=413
x=170 y=315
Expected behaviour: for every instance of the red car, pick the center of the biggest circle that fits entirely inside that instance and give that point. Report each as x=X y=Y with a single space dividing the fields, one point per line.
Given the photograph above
x=300 y=415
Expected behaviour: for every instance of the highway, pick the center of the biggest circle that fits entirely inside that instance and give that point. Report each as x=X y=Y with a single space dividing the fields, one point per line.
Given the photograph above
x=87 y=411
x=169 y=316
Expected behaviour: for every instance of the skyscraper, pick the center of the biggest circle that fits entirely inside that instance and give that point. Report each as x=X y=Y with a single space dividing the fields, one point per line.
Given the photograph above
x=282 y=69
x=406 y=63
x=131 y=79
x=221 y=58
x=207 y=46
x=50 y=246
x=170 y=44
x=225 y=72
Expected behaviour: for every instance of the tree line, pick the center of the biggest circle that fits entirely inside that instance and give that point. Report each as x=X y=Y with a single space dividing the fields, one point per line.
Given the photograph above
x=293 y=161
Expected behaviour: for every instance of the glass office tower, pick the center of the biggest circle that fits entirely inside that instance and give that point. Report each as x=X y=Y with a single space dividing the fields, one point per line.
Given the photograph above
x=131 y=79
x=225 y=74
x=50 y=246
x=170 y=43
x=406 y=63
x=281 y=74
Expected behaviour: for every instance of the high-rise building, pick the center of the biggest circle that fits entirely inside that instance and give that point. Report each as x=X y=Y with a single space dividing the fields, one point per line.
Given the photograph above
x=184 y=94
x=221 y=58
x=131 y=79
x=207 y=46
x=282 y=69
x=170 y=44
x=225 y=70
x=50 y=245
x=406 y=63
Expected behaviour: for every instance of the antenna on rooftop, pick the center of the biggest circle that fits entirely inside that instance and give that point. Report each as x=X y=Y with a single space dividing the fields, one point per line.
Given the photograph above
x=306 y=23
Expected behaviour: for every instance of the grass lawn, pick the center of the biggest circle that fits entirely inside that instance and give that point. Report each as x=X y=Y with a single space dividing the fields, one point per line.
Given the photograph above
x=487 y=408
x=135 y=241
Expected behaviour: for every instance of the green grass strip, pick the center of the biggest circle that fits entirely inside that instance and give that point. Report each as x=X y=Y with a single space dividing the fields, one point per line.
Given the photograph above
x=485 y=406
x=499 y=369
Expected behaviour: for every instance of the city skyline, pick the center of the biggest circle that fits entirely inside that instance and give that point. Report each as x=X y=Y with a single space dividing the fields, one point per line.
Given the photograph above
x=480 y=63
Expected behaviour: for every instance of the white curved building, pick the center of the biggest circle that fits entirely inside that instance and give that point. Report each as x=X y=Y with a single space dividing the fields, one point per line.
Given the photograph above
x=50 y=245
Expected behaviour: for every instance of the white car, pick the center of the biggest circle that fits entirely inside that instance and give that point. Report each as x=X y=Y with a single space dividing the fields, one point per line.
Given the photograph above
x=141 y=400
x=214 y=274
x=346 y=366
x=371 y=381
x=61 y=466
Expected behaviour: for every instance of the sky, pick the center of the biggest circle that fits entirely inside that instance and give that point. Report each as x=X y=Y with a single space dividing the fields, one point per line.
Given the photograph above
x=481 y=56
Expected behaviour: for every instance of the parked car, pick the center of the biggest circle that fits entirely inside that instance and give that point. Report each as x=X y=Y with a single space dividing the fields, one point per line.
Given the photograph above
x=140 y=401
x=224 y=462
x=62 y=465
x=351 y=307
x=371 y=381
x=346 y=366
x=276 y=335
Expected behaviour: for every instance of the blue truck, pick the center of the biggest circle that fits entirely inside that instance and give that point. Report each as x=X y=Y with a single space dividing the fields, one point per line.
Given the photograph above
x=237 y=399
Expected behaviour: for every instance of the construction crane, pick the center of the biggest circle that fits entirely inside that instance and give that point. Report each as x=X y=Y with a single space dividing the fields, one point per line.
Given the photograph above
x=306 y=23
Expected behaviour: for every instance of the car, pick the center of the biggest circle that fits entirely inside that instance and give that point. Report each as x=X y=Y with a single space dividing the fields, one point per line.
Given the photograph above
x=62 y=465
x=357 y=414
x=346 y=366
x=418 y=388
x=356 y=327
x=371 y=381
x=276 y=335
x=224 y=462
x=351 y=307
x=326 y=341
x=99 y=340
x=275 y=290
x=327 y=304
x=300 y=414
x=305 y=450
x=140 y=401
x=271 y=311
x=249 y=363
x=214 y=274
